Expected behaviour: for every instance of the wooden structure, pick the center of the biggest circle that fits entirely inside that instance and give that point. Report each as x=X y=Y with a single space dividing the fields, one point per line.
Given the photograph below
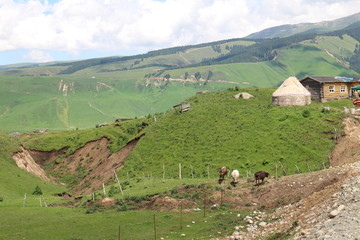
x=184 y=107
x=329 y=88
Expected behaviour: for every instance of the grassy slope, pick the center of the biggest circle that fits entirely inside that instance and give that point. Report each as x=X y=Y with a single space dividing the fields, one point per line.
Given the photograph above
x=28 y=103
x=219 y=130
x=15 y=182
x=242 y=134
x=118 y=136
x=343 y=48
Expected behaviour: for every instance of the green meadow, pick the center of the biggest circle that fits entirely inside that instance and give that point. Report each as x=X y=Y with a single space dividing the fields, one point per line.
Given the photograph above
x=247 y=135
x=96 y=94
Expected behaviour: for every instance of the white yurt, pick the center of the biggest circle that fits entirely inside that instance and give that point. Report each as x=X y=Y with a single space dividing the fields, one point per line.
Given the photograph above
x=291 y=93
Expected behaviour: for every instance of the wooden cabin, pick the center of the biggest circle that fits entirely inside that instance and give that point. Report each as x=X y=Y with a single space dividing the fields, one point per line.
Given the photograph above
x=329 y=88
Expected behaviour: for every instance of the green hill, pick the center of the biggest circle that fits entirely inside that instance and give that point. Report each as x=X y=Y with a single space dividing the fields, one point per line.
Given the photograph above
x=82 y=94
x=220 y=130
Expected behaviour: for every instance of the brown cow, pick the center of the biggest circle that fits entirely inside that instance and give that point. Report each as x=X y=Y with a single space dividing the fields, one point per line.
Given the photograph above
x=260 y=175
x=222 y=172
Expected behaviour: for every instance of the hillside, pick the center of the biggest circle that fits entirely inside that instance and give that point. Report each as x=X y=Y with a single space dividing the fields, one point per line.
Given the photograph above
x=247 y=134
x=218 y=130
x=320 y=27
x=82 y=94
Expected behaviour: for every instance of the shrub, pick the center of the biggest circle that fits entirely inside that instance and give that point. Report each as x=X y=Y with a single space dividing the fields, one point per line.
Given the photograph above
x=37 y=191
x=306 y=113
x=113 y=190
x=96 y=208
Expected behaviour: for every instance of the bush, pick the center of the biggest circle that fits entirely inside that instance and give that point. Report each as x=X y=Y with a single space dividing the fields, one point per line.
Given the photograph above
x=37 y=191
x=96 y=208
x=306 y=113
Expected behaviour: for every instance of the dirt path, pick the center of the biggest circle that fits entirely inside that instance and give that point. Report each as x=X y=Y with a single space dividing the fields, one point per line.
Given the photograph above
x=347 y=149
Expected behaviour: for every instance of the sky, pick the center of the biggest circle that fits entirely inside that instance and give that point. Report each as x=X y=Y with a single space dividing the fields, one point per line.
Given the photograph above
x=59 y=30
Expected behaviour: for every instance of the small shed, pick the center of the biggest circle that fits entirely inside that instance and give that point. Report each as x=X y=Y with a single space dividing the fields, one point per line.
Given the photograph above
x=291 y=93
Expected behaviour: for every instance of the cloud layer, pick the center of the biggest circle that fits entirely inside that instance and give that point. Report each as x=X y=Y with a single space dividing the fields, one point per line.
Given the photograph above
x=136 y=26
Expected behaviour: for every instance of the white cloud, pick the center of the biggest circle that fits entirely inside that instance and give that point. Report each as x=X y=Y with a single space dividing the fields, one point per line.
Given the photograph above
x=136 y=26
x=37 y=56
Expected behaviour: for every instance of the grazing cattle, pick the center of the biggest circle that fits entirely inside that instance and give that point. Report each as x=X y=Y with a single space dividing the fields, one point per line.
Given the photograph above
x=222 y=172
x=260 y=175
x=235 y=175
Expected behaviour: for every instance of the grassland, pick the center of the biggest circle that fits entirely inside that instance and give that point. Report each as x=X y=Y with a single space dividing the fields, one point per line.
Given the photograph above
x=34 y=98
x=218 y=130
x=242 y=134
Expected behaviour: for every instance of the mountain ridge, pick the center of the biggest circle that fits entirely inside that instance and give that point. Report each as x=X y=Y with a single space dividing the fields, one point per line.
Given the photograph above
x=287 y=30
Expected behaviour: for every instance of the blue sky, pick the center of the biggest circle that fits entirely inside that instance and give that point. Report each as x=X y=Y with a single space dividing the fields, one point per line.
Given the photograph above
x=58 y=30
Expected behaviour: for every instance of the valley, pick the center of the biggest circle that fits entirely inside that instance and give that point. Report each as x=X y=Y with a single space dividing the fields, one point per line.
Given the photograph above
x=99 y=149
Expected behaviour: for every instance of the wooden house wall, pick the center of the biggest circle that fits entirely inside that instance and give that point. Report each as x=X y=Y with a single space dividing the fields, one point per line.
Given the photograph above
x=337 y=91
x=313 y=87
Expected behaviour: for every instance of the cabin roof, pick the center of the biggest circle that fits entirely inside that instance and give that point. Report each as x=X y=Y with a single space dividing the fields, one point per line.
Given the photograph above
x=337 y=79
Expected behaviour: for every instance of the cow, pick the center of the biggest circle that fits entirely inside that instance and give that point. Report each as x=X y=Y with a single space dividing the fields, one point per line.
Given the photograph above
x=222 y=173
x=260 y=175
x=235 y=175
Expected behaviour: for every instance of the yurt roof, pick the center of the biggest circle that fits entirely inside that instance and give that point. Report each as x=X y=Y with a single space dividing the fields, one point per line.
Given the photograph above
x=291 y=86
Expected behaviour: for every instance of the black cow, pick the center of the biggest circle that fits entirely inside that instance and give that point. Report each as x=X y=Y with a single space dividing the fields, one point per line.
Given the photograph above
x=260 y=175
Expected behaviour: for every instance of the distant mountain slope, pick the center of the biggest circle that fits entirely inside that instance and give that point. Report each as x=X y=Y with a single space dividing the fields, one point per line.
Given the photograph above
x=321 y=27
x=84 y=93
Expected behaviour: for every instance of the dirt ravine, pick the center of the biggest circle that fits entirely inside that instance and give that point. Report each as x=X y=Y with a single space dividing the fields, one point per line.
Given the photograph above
x=25 y=161
x=93 y=163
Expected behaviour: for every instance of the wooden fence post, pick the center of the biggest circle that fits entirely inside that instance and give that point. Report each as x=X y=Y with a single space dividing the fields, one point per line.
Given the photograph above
x=117 y=179
x=104 y=190
x=204 y=205
x=179 y=170
x=24 y=201
x=192 y=171
x=163 y=178
x=154 y=227
x=119 y=236
x=181 y=209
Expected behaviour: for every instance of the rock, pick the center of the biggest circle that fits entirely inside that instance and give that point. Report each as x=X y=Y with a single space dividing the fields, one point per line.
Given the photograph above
x=333 y=213
x=236 y=235
x=262 y=224
x=340 y=208
x=183 y=235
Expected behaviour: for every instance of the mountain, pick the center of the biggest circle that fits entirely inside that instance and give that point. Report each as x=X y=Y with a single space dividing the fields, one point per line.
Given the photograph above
x=86 y=93
x=320 y=27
